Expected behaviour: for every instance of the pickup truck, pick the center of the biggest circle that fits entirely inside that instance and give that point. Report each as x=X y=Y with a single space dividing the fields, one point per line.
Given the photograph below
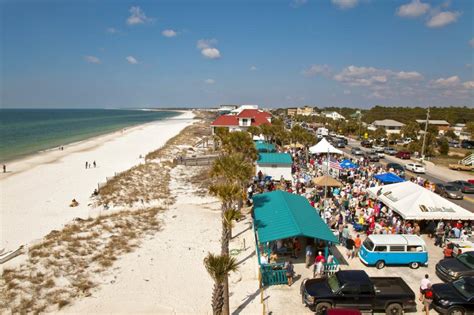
x=355 y=289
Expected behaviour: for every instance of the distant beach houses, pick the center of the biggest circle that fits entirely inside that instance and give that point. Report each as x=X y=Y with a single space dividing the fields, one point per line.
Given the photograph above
x=242 y=117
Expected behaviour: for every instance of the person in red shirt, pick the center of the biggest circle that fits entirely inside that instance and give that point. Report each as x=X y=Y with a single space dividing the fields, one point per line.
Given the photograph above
x=318 y=264
x=357 y=244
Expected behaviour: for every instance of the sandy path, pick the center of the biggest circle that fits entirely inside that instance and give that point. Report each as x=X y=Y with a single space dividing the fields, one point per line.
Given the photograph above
x=35 y=197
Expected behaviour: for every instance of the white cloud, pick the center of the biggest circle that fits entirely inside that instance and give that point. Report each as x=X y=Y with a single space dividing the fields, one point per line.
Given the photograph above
x=211 y=53
x=209 y=81
x=446 y=82
x=345 y=4
x=253 y=68
x=207 y=48
x=206 y=43
x=137 y=16
x=298 y=3
x=111 y=30
x=442 y=19
x=469 y=85
x=169 y=33
x=360 y=76
x=314 y=70
x=471 y=42
x=92 y=59
x=131 y=60
x=410 y=75
x=413 y=9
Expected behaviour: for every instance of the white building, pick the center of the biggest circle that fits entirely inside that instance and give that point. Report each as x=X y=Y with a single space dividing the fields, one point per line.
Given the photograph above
x=333 y=115
x=458 y=130
x=275 y=165
x=390 y=125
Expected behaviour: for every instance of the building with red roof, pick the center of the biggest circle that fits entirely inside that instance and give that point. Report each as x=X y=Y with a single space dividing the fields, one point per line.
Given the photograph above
x=242 y=119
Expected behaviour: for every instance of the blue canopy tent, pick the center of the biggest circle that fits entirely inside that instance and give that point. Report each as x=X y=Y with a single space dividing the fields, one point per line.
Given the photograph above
x=348 y=164
x=389 y=178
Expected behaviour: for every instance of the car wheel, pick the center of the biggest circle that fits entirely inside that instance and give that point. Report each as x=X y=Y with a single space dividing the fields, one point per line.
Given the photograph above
x=321 y=308
x=456 y=311
x=394 y=309
x=414 y=265
x=380 y=264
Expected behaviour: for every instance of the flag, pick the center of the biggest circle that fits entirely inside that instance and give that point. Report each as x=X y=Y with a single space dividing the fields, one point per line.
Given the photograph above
x=335 y=164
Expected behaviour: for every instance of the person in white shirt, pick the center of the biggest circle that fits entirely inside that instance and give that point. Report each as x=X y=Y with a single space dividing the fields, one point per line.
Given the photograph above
x=425 y=282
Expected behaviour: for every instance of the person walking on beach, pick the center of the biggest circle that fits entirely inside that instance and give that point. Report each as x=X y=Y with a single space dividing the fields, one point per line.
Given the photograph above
x=94 y=164
x=4 y=168
x=87 y=164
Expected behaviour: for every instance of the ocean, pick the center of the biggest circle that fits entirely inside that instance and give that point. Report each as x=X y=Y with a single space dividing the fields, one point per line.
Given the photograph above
x=27 y=131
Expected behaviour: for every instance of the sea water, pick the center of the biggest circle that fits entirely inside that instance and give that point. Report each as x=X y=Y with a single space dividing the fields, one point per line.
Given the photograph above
x=27 y=131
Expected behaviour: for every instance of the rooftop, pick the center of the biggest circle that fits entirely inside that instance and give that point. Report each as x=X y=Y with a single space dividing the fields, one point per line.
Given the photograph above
x=274 y=158
x=388 y=123
x=433 y=122
x=280 y=215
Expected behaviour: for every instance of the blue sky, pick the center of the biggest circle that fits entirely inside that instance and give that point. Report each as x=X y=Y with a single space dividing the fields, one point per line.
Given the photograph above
x=355 y=53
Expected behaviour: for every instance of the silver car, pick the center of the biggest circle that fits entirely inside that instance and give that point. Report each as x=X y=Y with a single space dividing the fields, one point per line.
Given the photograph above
x=357 y=151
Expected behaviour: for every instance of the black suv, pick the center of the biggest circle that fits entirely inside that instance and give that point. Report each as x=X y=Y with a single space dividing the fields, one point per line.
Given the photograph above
x=456 y=297
x=450 y=269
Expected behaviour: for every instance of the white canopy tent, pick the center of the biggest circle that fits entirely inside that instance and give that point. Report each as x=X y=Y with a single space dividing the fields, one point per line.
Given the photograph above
x=413 y=202
x=323 y=146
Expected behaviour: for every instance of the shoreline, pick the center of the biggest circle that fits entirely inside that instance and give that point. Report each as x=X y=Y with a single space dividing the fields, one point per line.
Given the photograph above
x=37 y=191
x=73 y=143
x=53 y=154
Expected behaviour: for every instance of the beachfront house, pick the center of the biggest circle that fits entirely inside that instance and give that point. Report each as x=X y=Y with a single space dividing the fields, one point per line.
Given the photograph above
x=391 y=126
x=242 y=118
x=279 y=217
x=441 y=125
x=276 y=165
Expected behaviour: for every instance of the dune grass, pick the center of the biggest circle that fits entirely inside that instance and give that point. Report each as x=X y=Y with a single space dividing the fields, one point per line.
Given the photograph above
x=68 y=264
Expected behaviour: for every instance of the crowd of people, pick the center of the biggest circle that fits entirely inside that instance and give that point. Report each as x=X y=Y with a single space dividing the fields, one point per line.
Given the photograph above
x=348 y=204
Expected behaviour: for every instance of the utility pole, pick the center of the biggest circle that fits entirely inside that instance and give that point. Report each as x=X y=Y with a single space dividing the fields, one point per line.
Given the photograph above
x=424 y=135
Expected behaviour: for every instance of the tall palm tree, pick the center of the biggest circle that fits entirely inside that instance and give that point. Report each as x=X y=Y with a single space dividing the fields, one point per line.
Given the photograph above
x=219 y=267
x=229 y=194
x=234 y=168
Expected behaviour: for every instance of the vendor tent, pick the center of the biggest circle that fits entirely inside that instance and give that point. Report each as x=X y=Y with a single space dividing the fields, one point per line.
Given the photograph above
x=326 y=180
x=347 y=164
x=324 y=146
x=389 y=178
x=279 y=215
x=413 y=202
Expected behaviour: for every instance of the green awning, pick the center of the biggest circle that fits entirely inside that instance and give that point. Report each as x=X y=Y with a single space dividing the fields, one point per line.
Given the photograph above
x=274 y=158
x=279 y=215
x=263 y=146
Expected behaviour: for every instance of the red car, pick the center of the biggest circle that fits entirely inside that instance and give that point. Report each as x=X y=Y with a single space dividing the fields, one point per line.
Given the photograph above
x=342 y=311
x=404 y=155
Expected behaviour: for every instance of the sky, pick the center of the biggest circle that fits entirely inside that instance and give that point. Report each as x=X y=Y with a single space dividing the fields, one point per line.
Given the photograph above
x=274 y=53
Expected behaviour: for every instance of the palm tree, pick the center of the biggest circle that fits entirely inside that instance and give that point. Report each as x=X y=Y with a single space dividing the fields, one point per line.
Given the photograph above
x=239 y=142
x=228 y=193
x=219 y=267
x=234 y=168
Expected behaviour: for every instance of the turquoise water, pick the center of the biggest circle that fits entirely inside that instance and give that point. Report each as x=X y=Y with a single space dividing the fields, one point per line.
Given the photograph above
x=27 y=131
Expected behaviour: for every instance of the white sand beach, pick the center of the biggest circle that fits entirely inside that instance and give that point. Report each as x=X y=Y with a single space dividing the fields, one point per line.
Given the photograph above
x=36 y=193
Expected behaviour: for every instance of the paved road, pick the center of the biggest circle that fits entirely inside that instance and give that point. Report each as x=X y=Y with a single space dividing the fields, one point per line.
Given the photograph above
x=432 y=176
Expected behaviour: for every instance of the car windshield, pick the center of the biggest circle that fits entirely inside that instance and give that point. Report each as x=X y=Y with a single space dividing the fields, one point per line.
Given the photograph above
x=368 y=244
x=467 y=260
x=464 y=288
x=450 y=188
x=334 y=284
